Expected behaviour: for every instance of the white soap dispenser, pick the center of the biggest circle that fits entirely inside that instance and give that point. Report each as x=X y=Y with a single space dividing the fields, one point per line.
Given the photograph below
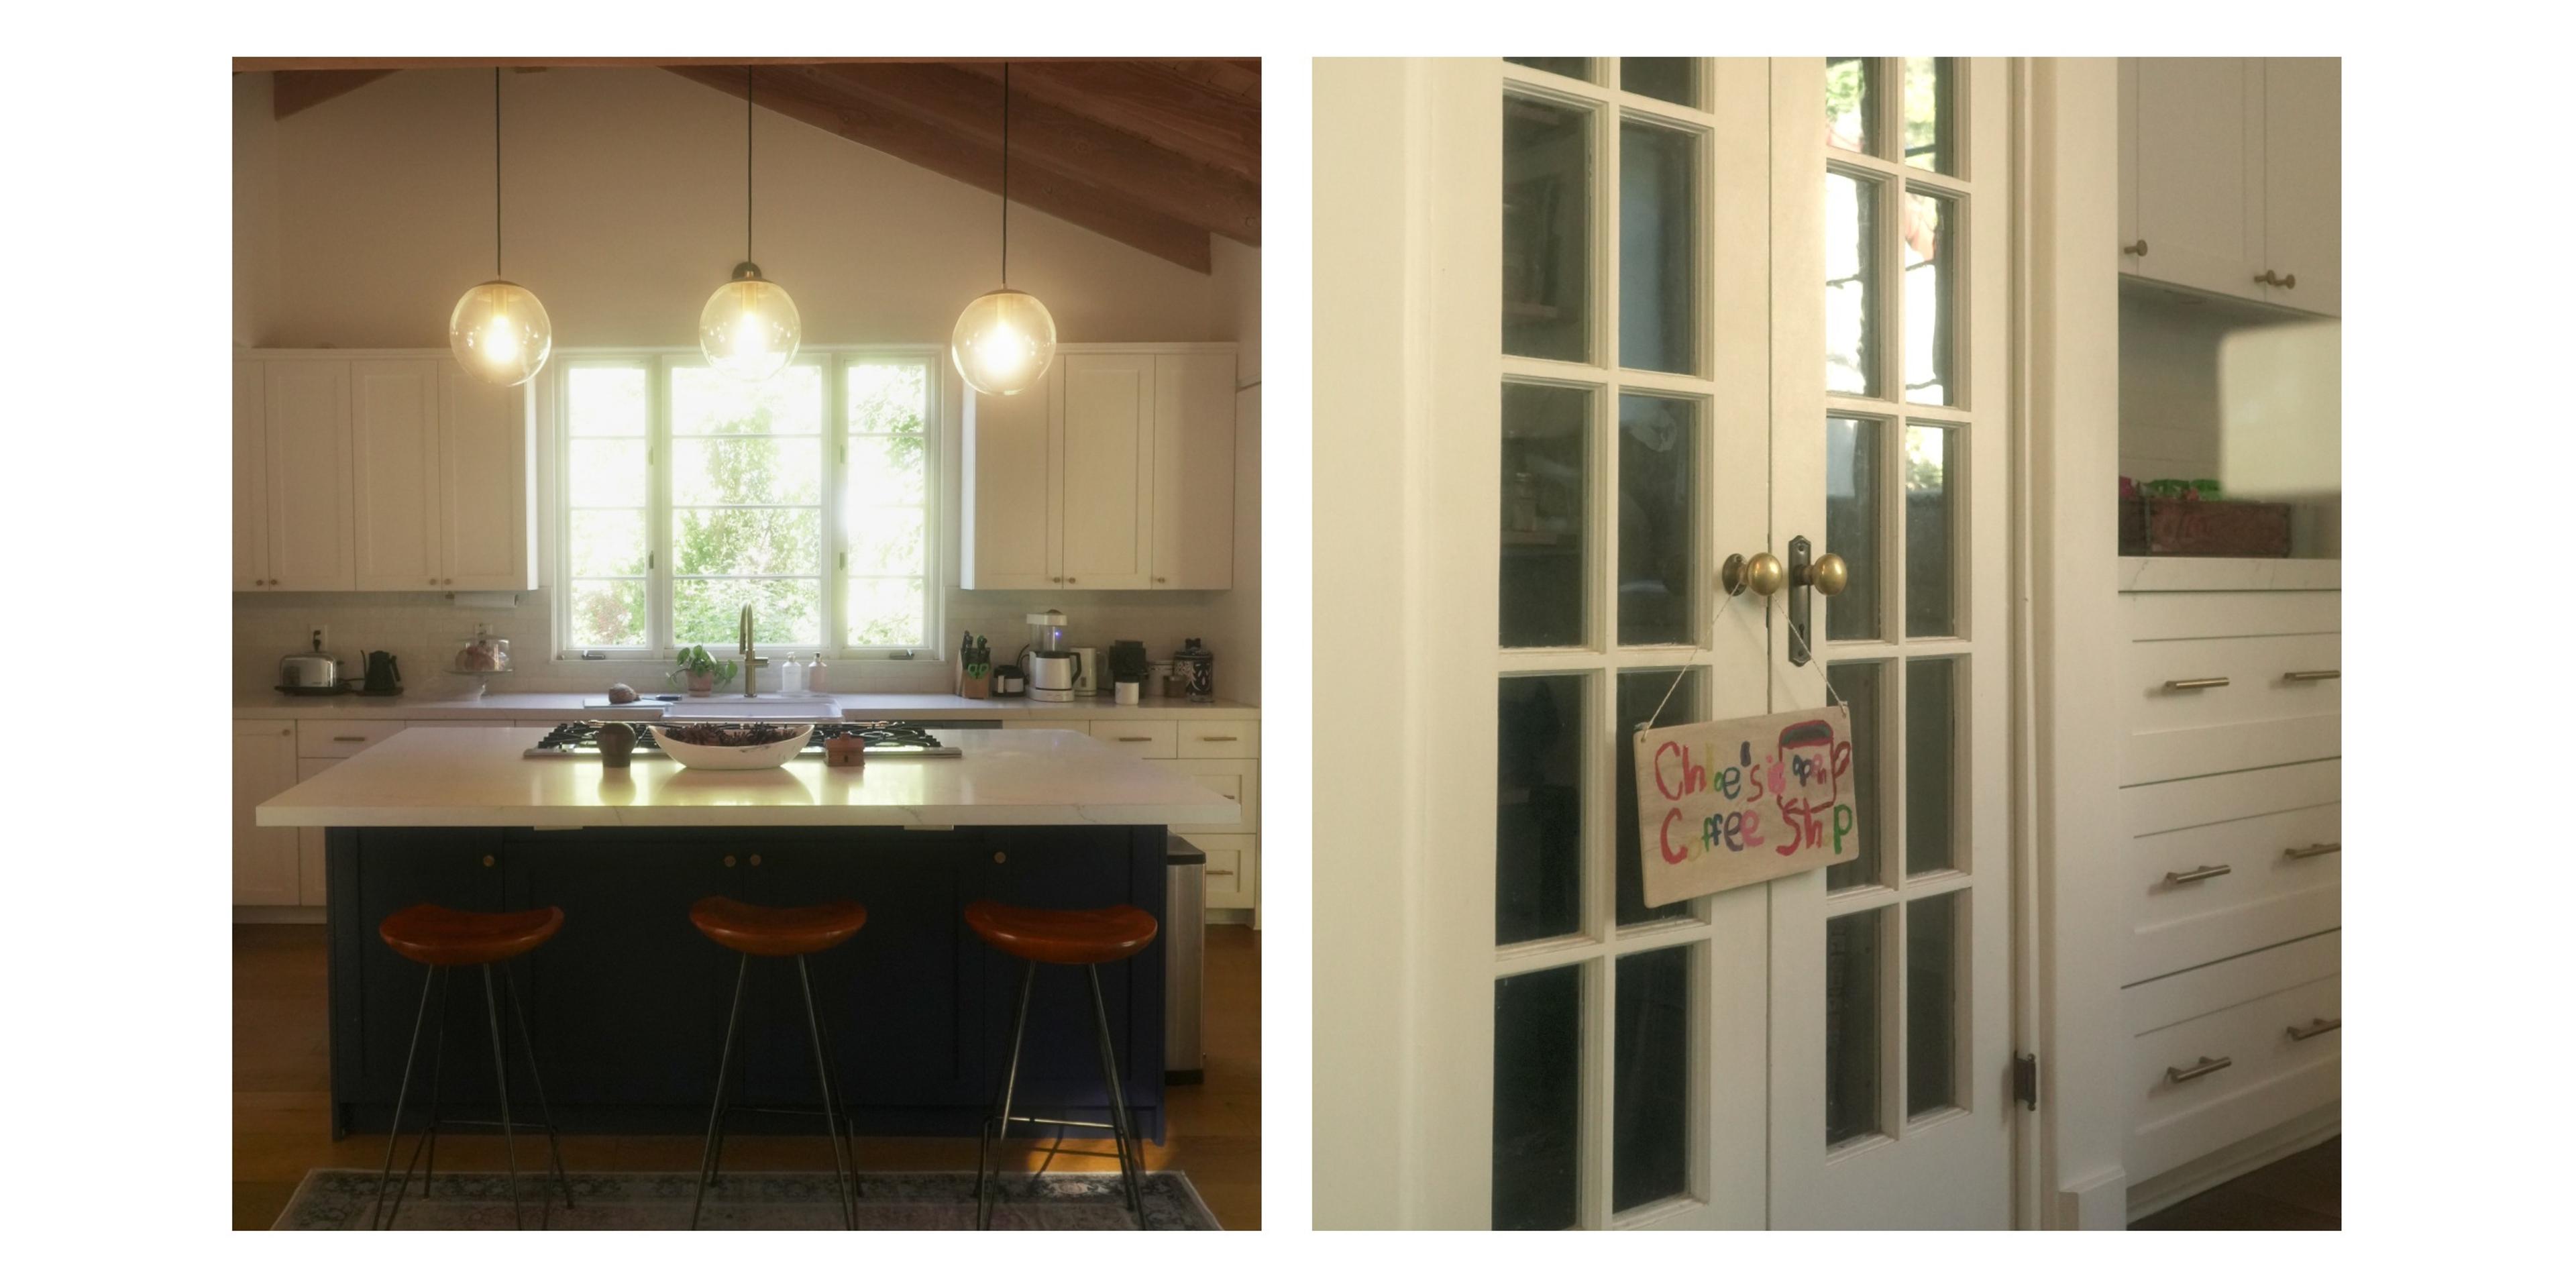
x=791 y=679
x=818 y=677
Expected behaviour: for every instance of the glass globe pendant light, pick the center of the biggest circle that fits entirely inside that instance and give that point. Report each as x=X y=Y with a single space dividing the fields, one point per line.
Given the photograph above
x=1005 y=340
x=749 y=328
x=498 y=330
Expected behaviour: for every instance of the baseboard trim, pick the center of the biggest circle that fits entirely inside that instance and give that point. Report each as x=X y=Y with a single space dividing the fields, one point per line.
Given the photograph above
x=262 y=915
x=2211 y=1170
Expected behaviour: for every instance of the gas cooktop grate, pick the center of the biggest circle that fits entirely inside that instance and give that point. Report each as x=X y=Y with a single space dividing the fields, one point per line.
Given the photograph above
x=879 y=735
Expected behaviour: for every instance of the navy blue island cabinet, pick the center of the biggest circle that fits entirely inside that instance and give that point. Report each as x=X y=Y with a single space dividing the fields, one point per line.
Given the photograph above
x=627 y=1002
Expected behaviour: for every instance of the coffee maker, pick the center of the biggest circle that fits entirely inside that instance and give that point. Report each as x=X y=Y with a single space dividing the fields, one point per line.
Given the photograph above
x=1054 y=670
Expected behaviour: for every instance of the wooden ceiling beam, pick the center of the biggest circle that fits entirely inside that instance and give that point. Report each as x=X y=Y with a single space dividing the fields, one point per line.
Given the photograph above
x=829 y=106
x=403 y=64
x=292 y=92
x=1207 y=109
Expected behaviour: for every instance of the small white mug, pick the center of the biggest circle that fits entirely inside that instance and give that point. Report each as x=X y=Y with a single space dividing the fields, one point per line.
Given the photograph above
x=1128 y=692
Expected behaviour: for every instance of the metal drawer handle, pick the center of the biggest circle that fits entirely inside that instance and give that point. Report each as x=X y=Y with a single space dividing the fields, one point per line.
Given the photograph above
x=2311 y=675
x=2212 y=682
x=348 y=737
x=1220 y=872
x=2314 y=1028
x=2201 y=873
x=2312 y=851
x=1129 y=737
x=1219 y=737
x=2206 y=1067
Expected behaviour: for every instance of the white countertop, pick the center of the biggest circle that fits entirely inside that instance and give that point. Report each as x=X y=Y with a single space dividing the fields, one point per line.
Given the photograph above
x=478 y=777
x=855 y=706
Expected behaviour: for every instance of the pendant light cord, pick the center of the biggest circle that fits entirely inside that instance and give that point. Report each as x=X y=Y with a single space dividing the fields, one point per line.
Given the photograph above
x=747 y=256
x=1006 y=176
x=496 y=170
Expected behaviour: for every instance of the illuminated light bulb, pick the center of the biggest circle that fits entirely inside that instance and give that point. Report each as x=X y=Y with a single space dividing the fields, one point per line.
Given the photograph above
x=500 y=333
x=749 y=329
x=1004 y=342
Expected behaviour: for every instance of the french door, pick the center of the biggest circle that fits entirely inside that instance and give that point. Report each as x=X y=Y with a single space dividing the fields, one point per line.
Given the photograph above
x=1727 y=318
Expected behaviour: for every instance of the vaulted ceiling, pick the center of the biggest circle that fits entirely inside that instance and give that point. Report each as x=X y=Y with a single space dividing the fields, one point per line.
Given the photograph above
x=1157 y=153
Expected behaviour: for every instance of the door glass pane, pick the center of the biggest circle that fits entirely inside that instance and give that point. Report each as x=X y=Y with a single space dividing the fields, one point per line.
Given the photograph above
x=1658 y=192
x=1658 y=545
x=1852 y=1025
x=1546 y=455
x=1860 y=684
x=1851 y=284
x=1928 y=119
x=1538 y=842
x=1578 y=68
x=1931 y=764
x=1851 y=102
x=1929 y=290
x=1673 y=80
x=1851 y=525
x=1650 y=1079
x=1639 y=692
x=1931 y=527
x=1547 y=229
x=1538 y=1080
x=1931 y=1004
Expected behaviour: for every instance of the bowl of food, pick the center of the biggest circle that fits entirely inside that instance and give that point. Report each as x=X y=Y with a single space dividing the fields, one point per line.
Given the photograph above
x=732 y=746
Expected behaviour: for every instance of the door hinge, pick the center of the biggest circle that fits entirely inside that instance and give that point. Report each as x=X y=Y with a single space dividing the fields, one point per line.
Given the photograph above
x=2026 y=1080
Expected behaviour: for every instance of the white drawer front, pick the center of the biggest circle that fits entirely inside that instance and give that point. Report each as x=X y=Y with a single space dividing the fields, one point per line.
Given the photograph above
x=2211 y=614
x=2270 y=1055
x=1149 y=739
x=1236 y=780
x=336 y=739
x=1076 y=726
x=2268 y=828
x=1220 y=739
x=1232 y=881
x=458 y=724
x=2258 y=717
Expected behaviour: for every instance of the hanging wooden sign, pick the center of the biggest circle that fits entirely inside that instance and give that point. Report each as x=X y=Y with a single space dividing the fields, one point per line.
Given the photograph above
x=1729 y=803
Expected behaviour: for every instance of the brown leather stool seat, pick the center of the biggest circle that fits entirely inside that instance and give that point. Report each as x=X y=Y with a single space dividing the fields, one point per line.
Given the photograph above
x=436 y=936
x=776 y=932
x=1063 y=936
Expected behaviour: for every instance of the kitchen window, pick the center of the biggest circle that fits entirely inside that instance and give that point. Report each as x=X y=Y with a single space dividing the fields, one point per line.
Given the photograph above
x=686 y=494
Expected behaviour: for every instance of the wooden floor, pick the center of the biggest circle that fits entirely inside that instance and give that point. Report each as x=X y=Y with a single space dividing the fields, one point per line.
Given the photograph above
x=282 y=1078
x=2301 y=1192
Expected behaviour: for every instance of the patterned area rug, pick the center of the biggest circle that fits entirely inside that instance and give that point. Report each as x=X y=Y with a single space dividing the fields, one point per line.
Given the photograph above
x=334 y=1198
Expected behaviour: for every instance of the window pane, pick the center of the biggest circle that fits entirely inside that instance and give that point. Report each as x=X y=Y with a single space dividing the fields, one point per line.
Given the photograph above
x=1851 y=102
x=1929 y=286
x=1639 y=692
x=1931 y=527
x=886 y=611
x=1658 y=193
x=1546 y=454
x=1578 y=68
x=887 y=398
x=1931 y=764
x=1851 y=1025
x=1931 y=1004
x=1852 y=494
x=1851 y=284
x=1674 y=80
x=885 y=541
x=1658 y=531
x=745 y=543
x=1928 y=120
x=1861 y=685
x=889 y=470
x=607 y=543
x=607 y=472
x=1538 y=841
x=608 y=614
x=747 y=471
x=706 y=401
x=1538 y=1082
x=790 y=611
x=605 y=402
x=1650 y=1079
x=1547 y=230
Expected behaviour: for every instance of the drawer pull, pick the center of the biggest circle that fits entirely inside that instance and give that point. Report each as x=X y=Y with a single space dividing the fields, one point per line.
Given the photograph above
x=2311 y=675
x=487 y=860
x=2201 y=873
x=1220 y=872
x=348 y=737
x=2314 y=1028
x=1130 y=737
x=2185 y=686
x=1219 y=737
x=2206 y=1067
x=2312 y=851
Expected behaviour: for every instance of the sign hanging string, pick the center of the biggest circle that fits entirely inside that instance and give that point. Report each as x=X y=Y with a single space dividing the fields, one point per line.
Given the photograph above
x=1684 y=669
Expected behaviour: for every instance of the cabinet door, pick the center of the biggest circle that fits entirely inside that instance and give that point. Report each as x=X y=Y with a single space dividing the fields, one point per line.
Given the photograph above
x=2303 y=181
x=2200 y=183
x=1106 y=464
x=1194 y=471
x=483 y=496
x=2129 y=262
x=264 y=858
x=393 y=447
x=250 y=476
x=1009 y=525
x=308 y=477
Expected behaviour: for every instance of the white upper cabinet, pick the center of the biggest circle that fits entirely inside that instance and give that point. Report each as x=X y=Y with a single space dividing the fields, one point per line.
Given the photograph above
x=1194 y=471
x=2303 y=196
x=485 y=516
x=394 y=457
x=309 y=511
x=1009 y=524
x=1107 y=449
x=250 y=476
x=2231 y=177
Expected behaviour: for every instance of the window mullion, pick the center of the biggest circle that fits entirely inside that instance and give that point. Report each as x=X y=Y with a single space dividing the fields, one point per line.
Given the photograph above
x=658 y=467
x=836 y=464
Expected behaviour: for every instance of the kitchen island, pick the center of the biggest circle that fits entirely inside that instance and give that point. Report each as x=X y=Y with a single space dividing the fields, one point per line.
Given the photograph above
x=628 y=1001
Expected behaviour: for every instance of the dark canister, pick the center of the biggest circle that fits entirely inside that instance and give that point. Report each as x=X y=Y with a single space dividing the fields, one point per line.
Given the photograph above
x=616 y=745
x=1198 y=667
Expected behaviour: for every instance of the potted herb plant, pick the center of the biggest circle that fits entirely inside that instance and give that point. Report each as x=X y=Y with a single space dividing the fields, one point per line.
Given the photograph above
x=705 y=672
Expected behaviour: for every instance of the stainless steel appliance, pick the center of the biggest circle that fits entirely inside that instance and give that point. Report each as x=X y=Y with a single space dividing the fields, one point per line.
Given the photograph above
x=1184 y=961
x=901 y=738
x=1054 y=671
x=1086 y=671
x=314 y=673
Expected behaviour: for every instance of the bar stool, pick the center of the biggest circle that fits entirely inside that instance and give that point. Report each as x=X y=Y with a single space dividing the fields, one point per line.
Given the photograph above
x=1085 y=937
x=756 y=931
x=443 y=939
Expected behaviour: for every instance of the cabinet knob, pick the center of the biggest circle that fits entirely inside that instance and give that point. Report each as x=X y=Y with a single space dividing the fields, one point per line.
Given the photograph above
x=2137 y=248
x=1068 y=581
x=287 y=732
x=1160 y=580
x=728 y=860
x=999 y=857
x=2290 y=282
x=487 y=860
x=755 y=860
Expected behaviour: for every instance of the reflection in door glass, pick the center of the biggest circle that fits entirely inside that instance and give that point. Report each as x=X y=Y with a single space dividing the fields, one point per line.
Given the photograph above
x=1538 y=1079
x=1852 y=498
x=1859 y=685
x=1931 y=525
x=1851 y=284
x=1545 y=479
x=1928 y=92
x=1650 y=1078
x=1674 y=80
x=1639 y=692
x=1930 y=228
x=1538 y=842
x=1851 y=102
x=1931 y=1004
x=1547 y=229
x=1658 y=240
x=1851 y=1025
x=1658 y=544
x=1931 y=763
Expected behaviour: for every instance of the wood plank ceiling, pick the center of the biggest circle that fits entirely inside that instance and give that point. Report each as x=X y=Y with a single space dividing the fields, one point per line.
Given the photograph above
x=1155 y=153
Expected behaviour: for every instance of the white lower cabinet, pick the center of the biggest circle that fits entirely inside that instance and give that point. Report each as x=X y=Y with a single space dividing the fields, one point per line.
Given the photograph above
x=266 y=860
x=2223 y=1053
x=310 y=864
x=1233 y=874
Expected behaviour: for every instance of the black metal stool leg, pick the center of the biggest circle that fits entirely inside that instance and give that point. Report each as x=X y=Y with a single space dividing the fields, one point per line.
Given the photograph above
x=501 y=1080
x=988 y=1194
x=849 y=1127
x=1119 y=1127
x=437 y=1084
x=393 y=1131
x=537 y=1077
x=823 y=1074
x=715 y=1116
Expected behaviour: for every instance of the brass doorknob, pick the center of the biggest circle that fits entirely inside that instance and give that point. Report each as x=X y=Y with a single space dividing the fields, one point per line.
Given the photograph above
x=1828 y=574
x=2137 y=248
x=1762 y=574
